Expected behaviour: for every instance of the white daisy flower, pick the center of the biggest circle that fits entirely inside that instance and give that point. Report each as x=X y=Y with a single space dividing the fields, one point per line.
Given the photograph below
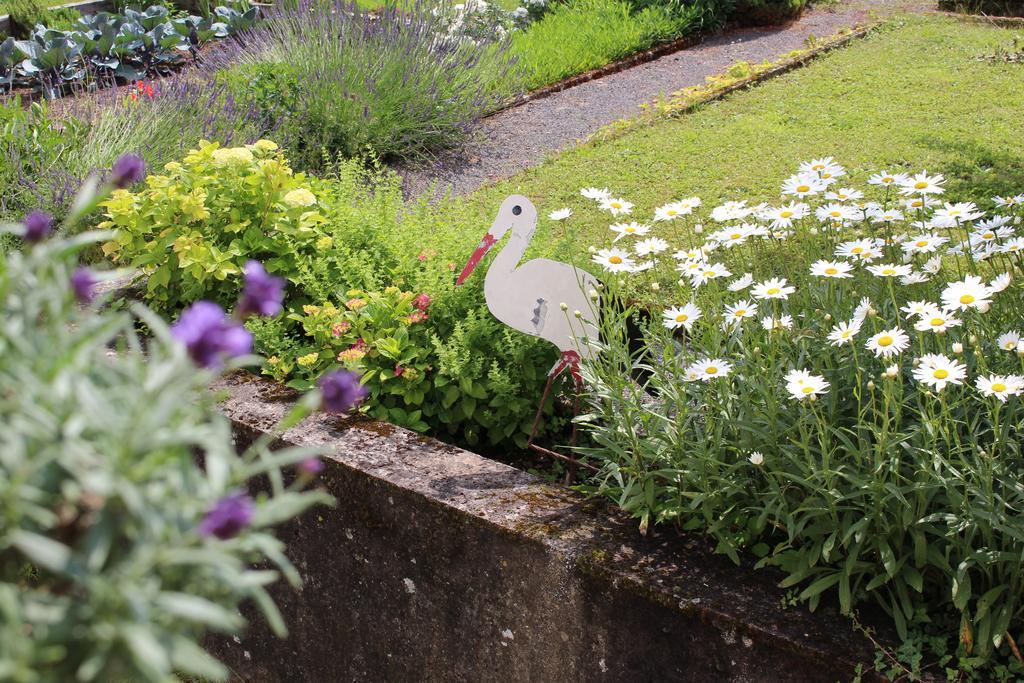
x=669 y=212
x=756 y=458
x=890 y=270
x=1016 y=200
x=802 y=384
x=836 y=213
x=735 y=313
x=616 y=206
x=888 y=343
x=1008 y=341
x=803 y=185
x=844 y=332
x=783 y=216
x=886 y=179
x=596 y=194
x=735 y=236
x=845 y=194
x=730 y=211
x=1000 y=386
x=932 y=265
x=937 y=371
x=863 y=310
x=741 y=283
x=707 y=273
x=1013 y=246
x=863 y=249
x=651 y=245
x=825 y=168
x=1000 y=282
x=951 y=215
x=918 y=308
x=924 y=244
x=915 y=279
x=681 y=316
x=615 y=260
x=772 y=324
x=560 y=214
x=710 y=368
x=880 y=215
x=891 y=372
x=633 y=229
x=969 y=293
x=697 y=254
x=937 y=321
x=922 y=184
x=775 y=288
x=836 y=269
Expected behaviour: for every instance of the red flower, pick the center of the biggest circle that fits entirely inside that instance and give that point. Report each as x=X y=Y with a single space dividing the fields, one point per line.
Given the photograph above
x=421 y=301
x=399 y=370
x=417 y=317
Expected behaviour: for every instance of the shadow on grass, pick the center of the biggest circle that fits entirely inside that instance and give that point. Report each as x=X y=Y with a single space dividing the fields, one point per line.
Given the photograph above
x=978 y=171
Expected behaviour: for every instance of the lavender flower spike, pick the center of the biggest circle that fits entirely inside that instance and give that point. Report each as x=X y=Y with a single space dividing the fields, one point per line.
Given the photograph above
x=341 y=391
x=38 y=224
x=83 y=284
x=209 y=335
x=263 y=293
x=127 y=170
x=228 y=517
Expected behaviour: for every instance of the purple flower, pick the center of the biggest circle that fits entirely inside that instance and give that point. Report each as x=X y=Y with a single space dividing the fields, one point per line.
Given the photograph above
x=127 y=170
x=262 y=294
x=228 y=516
x=311 y=467
x=209 y=335
x=82 y=284
x=341 y=391
x=38 y=225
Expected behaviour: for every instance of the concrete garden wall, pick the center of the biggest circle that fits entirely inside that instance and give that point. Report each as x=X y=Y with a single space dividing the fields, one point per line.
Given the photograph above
x=440 y=565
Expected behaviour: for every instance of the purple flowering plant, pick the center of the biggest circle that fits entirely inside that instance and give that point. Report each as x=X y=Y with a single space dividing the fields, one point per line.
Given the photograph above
x=105 y=429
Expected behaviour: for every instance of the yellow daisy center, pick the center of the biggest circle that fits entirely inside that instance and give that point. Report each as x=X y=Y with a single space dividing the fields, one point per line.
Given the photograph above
x=937 y=322
x=998 y=387
x=682 y=318
x=709 y=273
x=740 y=313
x=888 y=179
x=803 y=188
x=967 y=299
x=941 y=373
x=922 y=243
x=920 y=185
x=807 y=390
x=615 y=259
x=857 y=250
x=831 y=271
x=786 y=214
x=711 y=370
x=773 y=290
x=885 y=340
x=616 y=205
x=630 y=230
x=735 y=236
x=836 y=214
x=826 y=175
x=917 y=203
x=888 y=271
x=818 y=167
x=988 y=235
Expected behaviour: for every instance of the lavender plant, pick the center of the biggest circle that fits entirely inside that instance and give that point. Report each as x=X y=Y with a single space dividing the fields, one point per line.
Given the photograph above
x=338 y=79
x=118 y=550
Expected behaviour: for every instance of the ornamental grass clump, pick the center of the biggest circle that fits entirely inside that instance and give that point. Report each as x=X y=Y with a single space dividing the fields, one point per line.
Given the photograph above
x=834 y=385
x=128 y=530
x=337 y=79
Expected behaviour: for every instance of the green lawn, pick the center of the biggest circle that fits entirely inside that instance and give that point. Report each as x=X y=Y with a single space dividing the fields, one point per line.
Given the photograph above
x=911 y=96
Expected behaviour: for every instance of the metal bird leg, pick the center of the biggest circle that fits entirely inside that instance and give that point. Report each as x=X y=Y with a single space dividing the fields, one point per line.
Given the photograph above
x=570 y=360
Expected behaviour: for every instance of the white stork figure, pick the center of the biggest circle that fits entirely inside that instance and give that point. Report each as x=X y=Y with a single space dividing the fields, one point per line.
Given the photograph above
x=530 y=297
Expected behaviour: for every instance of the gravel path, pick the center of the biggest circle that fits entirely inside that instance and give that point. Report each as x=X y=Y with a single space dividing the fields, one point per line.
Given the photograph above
x=523 y=136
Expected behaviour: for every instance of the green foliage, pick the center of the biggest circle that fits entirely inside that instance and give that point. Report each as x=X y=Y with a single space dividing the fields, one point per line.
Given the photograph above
x=103 y=575
x=33 y=151
x=331 y=77
x=581 y=35
x=355 y=265
x=766 y=12
x=26 y=14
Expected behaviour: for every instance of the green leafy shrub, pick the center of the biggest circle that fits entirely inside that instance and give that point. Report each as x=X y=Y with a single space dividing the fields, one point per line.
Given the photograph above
x=998 y=8
x=118 y=551
x=26 y=14
x=767 y=12
x=849 y=410
x=340 y=241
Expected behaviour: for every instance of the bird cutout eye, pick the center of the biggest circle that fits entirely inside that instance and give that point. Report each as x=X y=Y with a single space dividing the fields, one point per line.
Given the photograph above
x=516 y=210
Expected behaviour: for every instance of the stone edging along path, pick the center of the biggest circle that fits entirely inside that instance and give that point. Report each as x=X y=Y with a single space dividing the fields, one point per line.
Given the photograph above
x=437 y=564
x=524 y=135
